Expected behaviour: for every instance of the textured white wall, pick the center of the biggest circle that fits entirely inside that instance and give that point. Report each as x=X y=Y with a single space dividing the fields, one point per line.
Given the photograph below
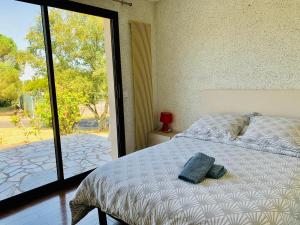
x=142 y=10
x=217 y=44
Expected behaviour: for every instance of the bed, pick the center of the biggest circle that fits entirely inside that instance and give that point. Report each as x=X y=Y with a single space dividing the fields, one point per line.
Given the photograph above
x=262 y=185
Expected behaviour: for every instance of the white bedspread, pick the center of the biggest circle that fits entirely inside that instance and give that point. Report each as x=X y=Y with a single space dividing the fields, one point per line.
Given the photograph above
x=142 y=188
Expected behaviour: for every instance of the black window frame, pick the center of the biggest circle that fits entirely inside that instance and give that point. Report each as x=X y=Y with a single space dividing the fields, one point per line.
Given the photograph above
x=61 y=182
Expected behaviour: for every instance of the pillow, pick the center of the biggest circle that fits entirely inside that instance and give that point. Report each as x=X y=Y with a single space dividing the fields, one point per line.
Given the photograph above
x=278 y=132
x=218 y=126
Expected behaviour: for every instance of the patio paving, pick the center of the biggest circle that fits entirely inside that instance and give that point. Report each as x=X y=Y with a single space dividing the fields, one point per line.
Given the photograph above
x=29 y=166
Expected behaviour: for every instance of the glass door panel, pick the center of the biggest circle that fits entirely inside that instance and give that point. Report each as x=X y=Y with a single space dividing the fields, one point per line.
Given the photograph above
x=82 y=89
x=27 y=155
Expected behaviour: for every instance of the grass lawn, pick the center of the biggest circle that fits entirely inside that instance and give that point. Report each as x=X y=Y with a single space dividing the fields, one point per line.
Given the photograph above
x=104 y=133
x=6 y=111
x=5 y=118
x=13 y=137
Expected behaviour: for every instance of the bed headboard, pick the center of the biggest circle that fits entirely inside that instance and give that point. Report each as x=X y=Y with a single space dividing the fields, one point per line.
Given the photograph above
x=268 y=102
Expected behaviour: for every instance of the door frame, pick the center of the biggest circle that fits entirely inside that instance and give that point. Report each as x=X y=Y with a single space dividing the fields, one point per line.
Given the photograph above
x=61 y=182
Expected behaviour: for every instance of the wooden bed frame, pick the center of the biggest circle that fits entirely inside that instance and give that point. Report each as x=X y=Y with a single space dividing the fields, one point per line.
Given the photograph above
x=103 y=220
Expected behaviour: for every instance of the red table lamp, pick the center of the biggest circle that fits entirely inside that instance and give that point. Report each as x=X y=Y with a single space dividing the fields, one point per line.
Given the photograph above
x=166 y=118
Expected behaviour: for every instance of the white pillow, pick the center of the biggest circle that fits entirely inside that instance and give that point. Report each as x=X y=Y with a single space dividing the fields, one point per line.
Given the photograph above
x=268 y=131
x=219 y=126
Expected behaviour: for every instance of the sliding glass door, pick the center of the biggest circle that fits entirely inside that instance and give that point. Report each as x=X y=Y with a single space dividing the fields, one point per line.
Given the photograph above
x=61 y=109
x=82 y=89
x=27 y=154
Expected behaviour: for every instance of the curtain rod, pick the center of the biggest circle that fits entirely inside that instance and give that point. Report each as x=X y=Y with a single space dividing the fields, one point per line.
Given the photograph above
x=123 y=2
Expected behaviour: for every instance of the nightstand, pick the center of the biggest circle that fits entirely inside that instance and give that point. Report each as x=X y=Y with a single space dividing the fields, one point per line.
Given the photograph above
x=157 y=137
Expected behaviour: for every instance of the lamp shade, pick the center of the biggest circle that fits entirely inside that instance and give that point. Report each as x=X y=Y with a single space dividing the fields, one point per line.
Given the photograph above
x=166 y=117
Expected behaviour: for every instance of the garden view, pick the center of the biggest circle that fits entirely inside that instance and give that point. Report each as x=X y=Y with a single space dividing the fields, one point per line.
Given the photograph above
x=80 y=74
x=27 y=152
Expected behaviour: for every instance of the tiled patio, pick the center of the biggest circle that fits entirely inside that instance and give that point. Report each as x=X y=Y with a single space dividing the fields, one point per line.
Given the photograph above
x=26 y=167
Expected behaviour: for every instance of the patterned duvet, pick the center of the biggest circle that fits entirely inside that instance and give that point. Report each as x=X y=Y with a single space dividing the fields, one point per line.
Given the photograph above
x=143 y=189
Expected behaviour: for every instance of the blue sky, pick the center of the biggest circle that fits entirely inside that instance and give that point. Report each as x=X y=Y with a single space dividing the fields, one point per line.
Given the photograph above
x=16 y=18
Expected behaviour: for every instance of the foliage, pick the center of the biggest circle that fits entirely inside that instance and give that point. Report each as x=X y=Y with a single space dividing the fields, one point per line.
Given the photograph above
x=8 y=50
x=35 y=128
x=5 y=104
x=71 y=93
x=10 y=83
x=35 y=86
x=79 y=61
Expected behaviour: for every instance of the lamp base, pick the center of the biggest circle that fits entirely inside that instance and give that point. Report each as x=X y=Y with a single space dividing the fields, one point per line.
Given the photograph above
x=165 y=128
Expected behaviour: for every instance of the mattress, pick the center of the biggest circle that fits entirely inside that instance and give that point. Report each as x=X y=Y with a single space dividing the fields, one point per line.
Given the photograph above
x=143 y=188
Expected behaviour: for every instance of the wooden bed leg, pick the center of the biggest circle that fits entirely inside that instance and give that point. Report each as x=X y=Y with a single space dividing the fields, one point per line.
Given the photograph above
x=102 y=217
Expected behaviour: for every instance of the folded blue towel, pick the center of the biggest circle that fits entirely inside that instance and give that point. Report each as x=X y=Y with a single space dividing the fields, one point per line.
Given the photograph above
x=196 y=168
x=216 y=171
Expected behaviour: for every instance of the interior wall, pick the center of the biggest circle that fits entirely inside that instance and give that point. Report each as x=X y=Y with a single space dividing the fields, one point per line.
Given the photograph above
x=142 y=10
x=216 y=44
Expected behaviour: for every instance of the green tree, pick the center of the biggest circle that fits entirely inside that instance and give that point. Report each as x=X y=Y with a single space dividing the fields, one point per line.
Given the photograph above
x=73 y=89
x=10 y=83
x=79 y=61
x=8 y=50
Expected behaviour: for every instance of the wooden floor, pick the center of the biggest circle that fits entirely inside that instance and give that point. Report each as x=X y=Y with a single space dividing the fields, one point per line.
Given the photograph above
x=51 y=210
